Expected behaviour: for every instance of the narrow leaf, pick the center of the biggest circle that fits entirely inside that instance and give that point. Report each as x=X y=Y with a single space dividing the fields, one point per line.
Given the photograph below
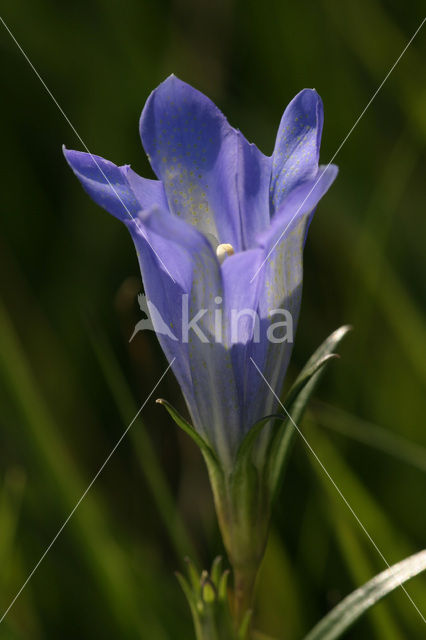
x=193 y=604
x=189 y=429
x=186 y=588
x=329 y=344
x=296 y=402
x=353 y=606
x=245 y=626
x=317 y=360
x=305 y=375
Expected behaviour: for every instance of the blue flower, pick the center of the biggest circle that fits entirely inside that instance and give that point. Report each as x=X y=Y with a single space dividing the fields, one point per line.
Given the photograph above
x=221 y=231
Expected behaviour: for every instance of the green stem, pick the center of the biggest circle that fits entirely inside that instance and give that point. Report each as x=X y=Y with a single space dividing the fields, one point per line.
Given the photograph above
x=244 y=582
x=243 y=521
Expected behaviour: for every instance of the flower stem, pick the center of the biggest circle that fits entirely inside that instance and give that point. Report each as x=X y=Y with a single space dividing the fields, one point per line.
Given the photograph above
x=244 y=581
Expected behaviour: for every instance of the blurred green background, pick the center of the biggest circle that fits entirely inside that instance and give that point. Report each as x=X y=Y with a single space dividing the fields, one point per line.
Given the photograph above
x=70 y=382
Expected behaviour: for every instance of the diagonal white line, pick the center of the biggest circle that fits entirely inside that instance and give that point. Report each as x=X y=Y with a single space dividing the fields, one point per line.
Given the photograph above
x=339 y=148
x=84 y=494
x=337 y=488
x=83 y=143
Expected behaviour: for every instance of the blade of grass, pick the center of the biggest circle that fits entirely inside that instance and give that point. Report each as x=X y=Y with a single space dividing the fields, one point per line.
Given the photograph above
x=370 y=434
x=104 y=556
x=361 y=570
x=342 y=617
x=145 y=451
x=390 y=540
x=24 y=620
x=10 y=507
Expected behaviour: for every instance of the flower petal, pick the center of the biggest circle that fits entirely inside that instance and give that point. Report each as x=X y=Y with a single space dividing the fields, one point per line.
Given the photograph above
x=253 y=179
x=209 y=389
x=119 y=190
x=296 y=153
x=300 y=203
x=246 y=332
x=282 y=271
x=193 y=150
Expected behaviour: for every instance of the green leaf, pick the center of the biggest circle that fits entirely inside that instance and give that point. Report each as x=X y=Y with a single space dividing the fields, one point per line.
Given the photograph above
x=333 y=340
x=353 y=606
x=193 y=604
x=305 y=375
x=295 y=405
x=186 y=588
x=206 y=449
x=244 y=629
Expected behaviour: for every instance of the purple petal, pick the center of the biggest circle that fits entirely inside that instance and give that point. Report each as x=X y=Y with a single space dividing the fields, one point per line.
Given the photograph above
x=244 y=329
x=193 y=150
x=296 y=153
x=253 y=179
x=282 y=273
x=188 y=256
x=119 y=190
x=300 y=203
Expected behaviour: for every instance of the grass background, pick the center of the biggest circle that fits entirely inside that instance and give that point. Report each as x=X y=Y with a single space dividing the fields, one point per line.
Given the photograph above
x=70 y=382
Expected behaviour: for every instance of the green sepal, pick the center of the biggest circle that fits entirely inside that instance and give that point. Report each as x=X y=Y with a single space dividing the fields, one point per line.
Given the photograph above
x=186 y=588
x=208 y=600
x=209 y=592
x=223 y=585
x=243 y=457
x=295 y=404
x=216 y=569
x=206 y=449
x=193 y=573
x=192 y=601
x=247 y=502
x=339 y=619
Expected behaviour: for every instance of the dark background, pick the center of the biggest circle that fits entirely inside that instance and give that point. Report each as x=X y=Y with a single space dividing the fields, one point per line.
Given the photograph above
x=70 y=381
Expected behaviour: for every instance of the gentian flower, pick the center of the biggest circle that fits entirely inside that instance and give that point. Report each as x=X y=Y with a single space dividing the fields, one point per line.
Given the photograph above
x=222 y=229
x=214 y=189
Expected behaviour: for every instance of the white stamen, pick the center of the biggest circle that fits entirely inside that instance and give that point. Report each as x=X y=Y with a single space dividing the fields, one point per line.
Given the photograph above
x=223 y=251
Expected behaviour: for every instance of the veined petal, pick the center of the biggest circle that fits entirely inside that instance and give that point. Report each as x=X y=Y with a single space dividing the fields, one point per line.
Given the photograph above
x=124 y=194
x=244 y=327
x=187 y=254
x=119 y=190
x=247 y=295
x=158 y=259
x=282 y=271
x=296 y=153
x=193 y=150
x=300 y=203
x=253 y=180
